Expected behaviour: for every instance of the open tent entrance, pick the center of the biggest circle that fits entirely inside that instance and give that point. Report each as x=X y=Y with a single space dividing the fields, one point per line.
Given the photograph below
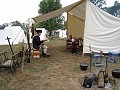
x=98 y=28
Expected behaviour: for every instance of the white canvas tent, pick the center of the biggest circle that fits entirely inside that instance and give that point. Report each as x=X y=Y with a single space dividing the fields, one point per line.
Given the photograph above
x=15 y=33
x=98 y=28
x=62 y=33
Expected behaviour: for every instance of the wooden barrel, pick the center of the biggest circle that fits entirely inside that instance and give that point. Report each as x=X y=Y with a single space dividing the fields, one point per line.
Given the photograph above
x=36 y=53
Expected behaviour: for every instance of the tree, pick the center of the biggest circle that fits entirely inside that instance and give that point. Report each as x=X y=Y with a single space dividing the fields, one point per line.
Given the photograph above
x=65 y=25
x=99 y=3
x=46 y=6
x=114 y=10
x=16 y=23
x=4 y=25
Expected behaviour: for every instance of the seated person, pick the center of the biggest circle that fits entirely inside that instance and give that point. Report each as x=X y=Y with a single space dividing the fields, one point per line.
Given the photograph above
x=44 y=50
x=37 y=42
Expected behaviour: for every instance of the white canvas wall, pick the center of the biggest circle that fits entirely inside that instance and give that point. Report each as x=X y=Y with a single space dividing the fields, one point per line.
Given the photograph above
x=102 y=31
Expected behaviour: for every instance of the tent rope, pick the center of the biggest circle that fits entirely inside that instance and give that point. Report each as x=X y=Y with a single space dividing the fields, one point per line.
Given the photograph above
x=16 y=36
x=21 y=38
x=19 y=44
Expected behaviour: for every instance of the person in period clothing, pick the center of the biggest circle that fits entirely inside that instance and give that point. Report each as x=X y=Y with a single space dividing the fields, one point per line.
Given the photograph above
x=38 y=44
x=74 y=46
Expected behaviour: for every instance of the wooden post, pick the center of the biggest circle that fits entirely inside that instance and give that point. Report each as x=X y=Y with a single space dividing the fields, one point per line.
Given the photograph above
x=28 y=41
x=22 y=57
x=90 y=58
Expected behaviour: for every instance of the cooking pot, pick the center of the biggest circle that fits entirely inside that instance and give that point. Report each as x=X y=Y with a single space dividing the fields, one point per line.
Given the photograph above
x=83 y=66
x=116 y=73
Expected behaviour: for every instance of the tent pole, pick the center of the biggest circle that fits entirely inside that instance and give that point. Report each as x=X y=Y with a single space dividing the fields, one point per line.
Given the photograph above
x=28 y=40
x=67 y=25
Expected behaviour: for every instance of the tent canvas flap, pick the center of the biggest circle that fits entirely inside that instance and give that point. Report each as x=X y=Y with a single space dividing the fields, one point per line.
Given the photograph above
x=55 y=13
x=102 y=30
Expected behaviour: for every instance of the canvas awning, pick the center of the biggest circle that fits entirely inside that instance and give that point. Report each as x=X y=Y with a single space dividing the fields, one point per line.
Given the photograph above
x=77 y=9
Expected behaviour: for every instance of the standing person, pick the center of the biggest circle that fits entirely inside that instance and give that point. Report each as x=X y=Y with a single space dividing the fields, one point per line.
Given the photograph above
x=37 y=42
x=74 y=46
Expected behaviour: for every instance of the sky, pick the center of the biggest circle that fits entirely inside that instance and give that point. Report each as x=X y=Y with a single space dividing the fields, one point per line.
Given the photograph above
x=21 y=10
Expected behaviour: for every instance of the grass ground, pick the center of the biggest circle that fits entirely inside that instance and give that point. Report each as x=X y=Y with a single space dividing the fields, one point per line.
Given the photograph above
x=59 y=72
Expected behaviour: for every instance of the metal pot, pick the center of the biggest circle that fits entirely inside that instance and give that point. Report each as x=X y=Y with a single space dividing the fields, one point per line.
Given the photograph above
x=83 y=66
x=116 y=73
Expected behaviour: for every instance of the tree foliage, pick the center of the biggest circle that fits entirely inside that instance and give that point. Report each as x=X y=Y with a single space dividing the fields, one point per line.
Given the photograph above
x=4 y=25
x=47 y=6
x=114 y=10
x=16 y=23
x=99 y=3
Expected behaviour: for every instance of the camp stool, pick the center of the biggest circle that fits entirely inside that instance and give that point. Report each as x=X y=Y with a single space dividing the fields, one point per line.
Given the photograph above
x=36 y=53
x=113 y=57
x=98 y=60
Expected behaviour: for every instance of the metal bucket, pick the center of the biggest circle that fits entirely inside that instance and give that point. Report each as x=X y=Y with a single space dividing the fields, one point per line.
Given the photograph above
x=83 y=66
x=116 y=73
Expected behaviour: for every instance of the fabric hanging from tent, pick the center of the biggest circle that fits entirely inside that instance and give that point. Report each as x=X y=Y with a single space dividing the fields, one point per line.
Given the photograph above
x=102 y=31
x=75 y=26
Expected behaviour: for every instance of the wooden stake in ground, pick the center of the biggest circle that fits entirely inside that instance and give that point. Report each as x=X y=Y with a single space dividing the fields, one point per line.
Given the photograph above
x=90 y=58
x=23 y=57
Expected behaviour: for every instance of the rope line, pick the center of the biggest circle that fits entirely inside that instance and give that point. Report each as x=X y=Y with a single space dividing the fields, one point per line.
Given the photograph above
x=19 y=45
x=16 y=36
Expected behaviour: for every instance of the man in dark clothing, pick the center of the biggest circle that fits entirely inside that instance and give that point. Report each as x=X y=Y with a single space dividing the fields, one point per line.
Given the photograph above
x=74 y=46
x=37 y=42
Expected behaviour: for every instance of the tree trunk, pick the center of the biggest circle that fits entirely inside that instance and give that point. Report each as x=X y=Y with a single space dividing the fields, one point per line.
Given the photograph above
x=50 y=35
